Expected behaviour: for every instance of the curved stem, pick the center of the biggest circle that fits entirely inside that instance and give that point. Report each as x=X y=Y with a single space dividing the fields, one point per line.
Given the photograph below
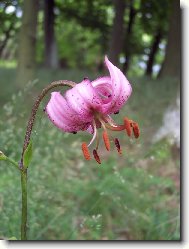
x=23 y=169
x=35 y=108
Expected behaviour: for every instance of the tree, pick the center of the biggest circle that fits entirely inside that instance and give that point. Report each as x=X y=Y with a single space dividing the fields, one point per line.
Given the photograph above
x=171 y=64
x=153 y=51
x=27 y=42
x=116 y=40
x=154 y=22
x=127 y=42
x=51 y=56
x=9 y=27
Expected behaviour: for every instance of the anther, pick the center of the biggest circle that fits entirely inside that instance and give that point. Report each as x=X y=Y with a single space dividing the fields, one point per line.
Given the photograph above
x=106 y=140
x=117 y=144
x=74 y=132
x=86 y=151
x=127 y=126
x=96 y=156
x=136 y=129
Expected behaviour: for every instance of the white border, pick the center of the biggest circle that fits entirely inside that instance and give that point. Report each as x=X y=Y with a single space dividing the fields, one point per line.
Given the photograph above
x=185 y=172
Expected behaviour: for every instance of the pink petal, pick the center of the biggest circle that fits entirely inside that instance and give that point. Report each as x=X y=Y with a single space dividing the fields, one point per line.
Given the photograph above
x=90 y=129
x=121 y=88
x=84 y=99
x=62 y=115
x=104 y=88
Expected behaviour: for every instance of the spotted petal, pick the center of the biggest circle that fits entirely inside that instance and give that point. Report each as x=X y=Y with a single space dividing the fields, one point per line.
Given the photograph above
x=62 y=116
x=118 y=85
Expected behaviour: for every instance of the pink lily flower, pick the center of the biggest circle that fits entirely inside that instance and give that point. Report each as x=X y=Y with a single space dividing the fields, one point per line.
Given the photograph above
x=88 y=105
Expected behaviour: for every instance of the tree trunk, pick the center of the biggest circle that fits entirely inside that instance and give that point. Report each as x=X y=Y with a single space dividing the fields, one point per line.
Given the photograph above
x=7 y=35
x=171 y=64
x=116 y=42
x=51 y=56
x=153 y=51
x=132 y=14
x=27 y=42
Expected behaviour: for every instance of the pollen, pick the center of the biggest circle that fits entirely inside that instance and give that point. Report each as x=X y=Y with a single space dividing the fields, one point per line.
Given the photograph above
x=127 y=124
x=96 y=156
x=117 y=144
x=106 y=140
x=136 y=129
x=86 y=151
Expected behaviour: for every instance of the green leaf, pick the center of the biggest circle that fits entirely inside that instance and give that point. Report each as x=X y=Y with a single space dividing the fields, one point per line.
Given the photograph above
x=2 y=156
x=27 y=155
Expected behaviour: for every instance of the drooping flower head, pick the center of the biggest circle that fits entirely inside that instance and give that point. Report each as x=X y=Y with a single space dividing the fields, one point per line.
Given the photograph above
x=88 y=105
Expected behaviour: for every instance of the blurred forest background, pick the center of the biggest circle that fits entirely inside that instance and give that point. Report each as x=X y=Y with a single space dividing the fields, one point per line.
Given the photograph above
x=133 y=197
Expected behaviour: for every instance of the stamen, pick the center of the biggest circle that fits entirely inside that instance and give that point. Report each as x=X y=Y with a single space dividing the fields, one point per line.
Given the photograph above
x=111 y=124
x=136 y=129
x=96 y=156
x=127 y=126
x=86 y=151
x=117 y=144
x=106 y=140
x=115 y=128
x=94 y=134
x=97 y=140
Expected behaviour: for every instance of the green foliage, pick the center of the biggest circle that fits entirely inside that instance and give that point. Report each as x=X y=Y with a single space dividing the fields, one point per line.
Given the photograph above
x=28 y=155
x=83 y=32
x=154 y=16
x=133 y=197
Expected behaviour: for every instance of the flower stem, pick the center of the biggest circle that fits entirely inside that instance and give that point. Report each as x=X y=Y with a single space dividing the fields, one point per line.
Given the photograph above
x=23 y=168
x=24 y=204
x=35 y=108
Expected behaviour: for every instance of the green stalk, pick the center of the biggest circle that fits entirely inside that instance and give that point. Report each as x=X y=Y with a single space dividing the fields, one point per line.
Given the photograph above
x=24 y=204
x=22 y=167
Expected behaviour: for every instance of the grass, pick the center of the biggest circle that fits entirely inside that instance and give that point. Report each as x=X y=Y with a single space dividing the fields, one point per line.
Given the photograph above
x=133 y=197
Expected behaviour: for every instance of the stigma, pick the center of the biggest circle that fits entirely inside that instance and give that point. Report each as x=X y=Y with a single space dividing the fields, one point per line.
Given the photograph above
x=129 y=127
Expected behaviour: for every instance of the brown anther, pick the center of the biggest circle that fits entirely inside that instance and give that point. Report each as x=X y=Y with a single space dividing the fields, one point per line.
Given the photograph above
x=86 y=151
x=136 y=129
x=106 y=140
x=117 y=144
x=96 y=156
x=127 y=124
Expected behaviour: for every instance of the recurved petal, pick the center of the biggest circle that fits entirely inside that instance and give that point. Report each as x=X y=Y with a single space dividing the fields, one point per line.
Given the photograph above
x=62 y=115
x=84 y=99
x=104 y=88
x=121 y=88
